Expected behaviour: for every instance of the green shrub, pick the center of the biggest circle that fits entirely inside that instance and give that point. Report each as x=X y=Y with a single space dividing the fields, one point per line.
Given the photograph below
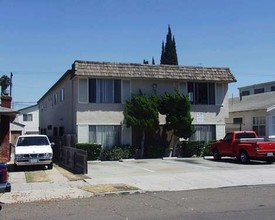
x=118 y=152
x=93 y=150
x=193 y=148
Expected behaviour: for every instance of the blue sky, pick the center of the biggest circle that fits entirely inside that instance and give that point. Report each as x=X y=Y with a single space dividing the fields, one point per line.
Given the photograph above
x=39 y=40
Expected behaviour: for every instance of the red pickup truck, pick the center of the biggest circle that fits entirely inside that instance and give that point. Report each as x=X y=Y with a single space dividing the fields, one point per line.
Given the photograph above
x=244 y=145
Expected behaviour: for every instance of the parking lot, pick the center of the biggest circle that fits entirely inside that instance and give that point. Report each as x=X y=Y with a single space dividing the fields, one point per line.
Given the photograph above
x=108 y=169
x=181 y=173
x=98 y=170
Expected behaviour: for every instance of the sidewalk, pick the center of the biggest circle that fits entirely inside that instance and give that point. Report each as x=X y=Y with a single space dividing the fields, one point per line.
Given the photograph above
x=138 y=176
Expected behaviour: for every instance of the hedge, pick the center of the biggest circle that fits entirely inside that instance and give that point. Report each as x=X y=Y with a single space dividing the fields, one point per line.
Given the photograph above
x=193 y=148
x=93 y=150
x=118 y=152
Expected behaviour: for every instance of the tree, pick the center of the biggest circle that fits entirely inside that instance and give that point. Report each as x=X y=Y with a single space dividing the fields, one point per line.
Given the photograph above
x=141 y=112
x=176 y=107
x=5 y=82
x=153 y=61
x=168 y=51
x=145 y=61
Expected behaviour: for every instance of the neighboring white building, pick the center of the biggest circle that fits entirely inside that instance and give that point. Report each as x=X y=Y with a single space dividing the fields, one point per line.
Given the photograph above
x=89 y=99
x=253 y=111
x=27 y=120
x=257 y=88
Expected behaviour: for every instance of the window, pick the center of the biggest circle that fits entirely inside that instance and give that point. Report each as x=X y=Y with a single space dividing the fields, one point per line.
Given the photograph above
x=27 y=117
x=126 y=90
x=245 y=135
x=107 y=135
x=237 y=120
x=259 y=126
x=244 y=93
x=100 y=90
x=272 y=88
x=204 y=133
x=55 y=98
x=273 y=125
x=61 y=95
x=220 y=93
x=83 y=90
x=228 y=138
x=201 y=93
x=257 y=91
x=182 y=88
x=33 y=141
x=104 y=91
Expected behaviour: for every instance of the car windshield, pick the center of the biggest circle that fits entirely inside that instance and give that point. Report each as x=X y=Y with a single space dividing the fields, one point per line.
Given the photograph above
x=31 y=141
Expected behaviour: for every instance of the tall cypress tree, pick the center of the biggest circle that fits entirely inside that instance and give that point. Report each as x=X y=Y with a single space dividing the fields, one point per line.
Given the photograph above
x=169 y=54
x=175 y=56
x=153 y=61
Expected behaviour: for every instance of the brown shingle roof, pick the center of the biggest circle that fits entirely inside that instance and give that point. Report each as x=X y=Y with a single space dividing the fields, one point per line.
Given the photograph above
x=123 y=70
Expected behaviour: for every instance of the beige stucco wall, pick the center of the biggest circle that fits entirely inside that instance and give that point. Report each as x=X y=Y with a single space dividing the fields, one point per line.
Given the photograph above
x=247 y=117
x=146 y=86
x=60 y=114
x=70 y=114
x=94 y=113
x=248 y=120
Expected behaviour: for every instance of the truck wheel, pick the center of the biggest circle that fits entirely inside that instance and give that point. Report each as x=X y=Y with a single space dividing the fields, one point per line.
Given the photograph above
x=270 y=160
x=243 y=157
x=50 y=166
x=216 y=155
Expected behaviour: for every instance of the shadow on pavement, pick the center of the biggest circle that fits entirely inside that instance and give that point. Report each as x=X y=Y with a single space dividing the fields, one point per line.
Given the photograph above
x=235 y=161
x=26 y=168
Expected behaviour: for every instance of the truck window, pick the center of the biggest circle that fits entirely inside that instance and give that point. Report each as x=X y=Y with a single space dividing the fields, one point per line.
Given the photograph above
x=228 y=138
x=241 y=135
x=250 y=135
x=31 y=141
x=245 y=135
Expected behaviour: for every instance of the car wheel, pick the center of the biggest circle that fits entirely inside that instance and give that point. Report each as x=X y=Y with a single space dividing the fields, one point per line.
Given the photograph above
x=270 y=160
x=243 y=157
x=216 y=155
x=50 y=166
x=15 y=167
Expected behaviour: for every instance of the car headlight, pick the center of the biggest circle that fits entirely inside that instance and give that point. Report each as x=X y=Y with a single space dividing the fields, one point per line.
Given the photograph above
x=48 y=155
x=18 y=156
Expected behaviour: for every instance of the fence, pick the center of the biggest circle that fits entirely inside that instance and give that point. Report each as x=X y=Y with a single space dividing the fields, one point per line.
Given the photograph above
x=70 y=157
x=75 y=159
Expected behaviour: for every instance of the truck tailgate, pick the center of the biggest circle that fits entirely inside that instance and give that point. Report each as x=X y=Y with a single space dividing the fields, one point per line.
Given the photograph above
x=265 y=147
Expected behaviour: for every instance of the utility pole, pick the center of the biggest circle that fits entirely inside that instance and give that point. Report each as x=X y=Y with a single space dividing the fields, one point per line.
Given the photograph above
x=11 y=83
